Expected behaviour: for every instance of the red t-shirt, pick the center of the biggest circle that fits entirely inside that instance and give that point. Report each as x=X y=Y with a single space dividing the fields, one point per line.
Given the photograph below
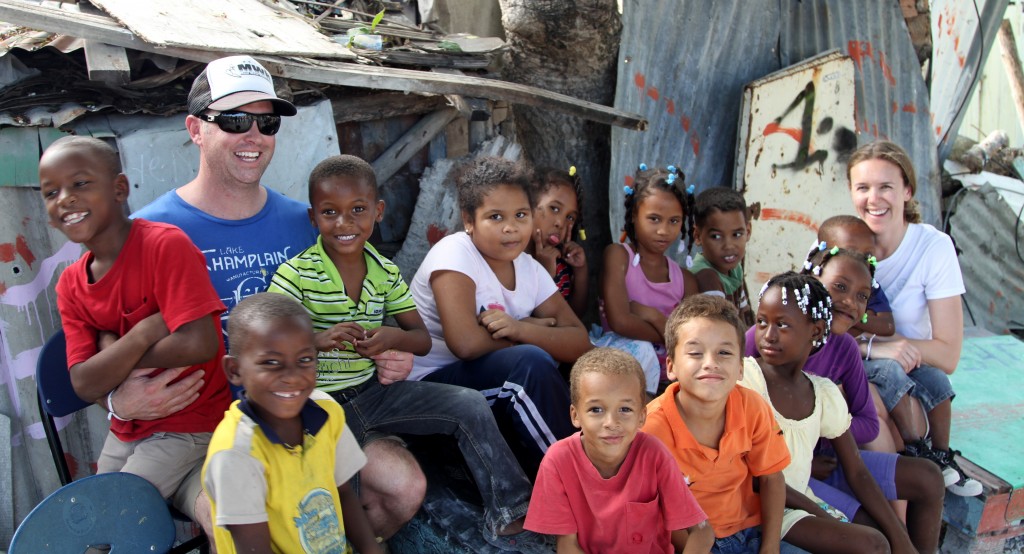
x=157 y=270
x=633 y=512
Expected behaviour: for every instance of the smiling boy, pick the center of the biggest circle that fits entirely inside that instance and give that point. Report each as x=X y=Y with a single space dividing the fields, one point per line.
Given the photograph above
x=279 y=464
x=139 y=298
x=610 y=488
x=722 y=436
x=722 y=229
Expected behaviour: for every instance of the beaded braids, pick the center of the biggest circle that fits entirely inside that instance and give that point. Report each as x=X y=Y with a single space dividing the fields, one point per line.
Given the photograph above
x=547 y=178
x=478 y=177
x=645 y=182
x=810 y=296
x=820 y=254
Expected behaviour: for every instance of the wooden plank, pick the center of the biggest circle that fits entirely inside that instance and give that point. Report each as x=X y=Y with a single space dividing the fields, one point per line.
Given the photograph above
x=456 y=136
x=106 y=30
x=383 y=105
x=107 y=63
x=225 y=25
x=399 y=153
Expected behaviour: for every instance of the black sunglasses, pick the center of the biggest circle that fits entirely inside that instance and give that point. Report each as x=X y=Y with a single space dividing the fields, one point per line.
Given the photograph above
x=241 y=122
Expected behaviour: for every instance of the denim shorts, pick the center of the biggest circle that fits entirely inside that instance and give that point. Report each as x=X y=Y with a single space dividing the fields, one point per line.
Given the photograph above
x=746 y=541
x=930 y=385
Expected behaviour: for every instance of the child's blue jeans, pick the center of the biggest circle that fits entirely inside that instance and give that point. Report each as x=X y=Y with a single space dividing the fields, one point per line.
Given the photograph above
x=748 y=541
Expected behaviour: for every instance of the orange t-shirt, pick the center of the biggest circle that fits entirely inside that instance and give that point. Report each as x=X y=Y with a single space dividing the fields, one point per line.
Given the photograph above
x=722 y=480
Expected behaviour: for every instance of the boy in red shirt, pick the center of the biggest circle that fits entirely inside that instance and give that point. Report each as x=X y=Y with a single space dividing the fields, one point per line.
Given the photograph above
x=721 y=435
x=610 y=488
x=139 y=298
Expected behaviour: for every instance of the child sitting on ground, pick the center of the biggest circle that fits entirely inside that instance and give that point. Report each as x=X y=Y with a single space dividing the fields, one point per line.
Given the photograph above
x=610 y=488
x=350 y=334
x=851 y=233
x=559 y=196
x=496 y=319
x=279 y=464
x=722 y=229
x=139 y=298
x=640 y=285
x=723 y=437
x=794 y=316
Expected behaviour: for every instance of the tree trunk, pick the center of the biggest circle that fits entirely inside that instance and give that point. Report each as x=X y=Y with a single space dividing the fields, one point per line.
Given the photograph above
x=571 y=47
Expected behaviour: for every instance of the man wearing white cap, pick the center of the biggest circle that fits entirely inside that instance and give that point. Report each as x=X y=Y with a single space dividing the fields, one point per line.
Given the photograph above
x=246 y=230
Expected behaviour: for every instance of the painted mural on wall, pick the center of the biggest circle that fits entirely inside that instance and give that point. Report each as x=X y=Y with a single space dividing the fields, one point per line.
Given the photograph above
x=32 y=256
x=796 y=132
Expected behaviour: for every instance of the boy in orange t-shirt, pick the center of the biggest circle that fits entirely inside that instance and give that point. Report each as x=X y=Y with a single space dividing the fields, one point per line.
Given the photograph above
x=721 y=435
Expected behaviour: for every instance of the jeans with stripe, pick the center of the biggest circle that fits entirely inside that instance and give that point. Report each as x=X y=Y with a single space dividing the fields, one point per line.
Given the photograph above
x=419 y=408
x=527 y=394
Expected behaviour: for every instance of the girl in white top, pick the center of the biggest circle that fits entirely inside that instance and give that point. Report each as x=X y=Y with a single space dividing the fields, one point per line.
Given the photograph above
x=918 y=269
x=496 y=319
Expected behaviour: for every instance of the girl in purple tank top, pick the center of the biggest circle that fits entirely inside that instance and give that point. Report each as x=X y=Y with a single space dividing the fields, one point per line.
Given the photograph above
x=640 y=285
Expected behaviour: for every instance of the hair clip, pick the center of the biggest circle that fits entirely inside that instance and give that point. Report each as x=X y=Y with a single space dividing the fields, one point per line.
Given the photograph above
x=872 y=261
x=643 y=167
x=864 y=318
x=636 y=259
x=628 y=190
x=689 y=261
x=572 y=171
x=822 y=245
x=816 y=271
x=808 y=265
x=672 y=169
x=834 y=251
x=671 y=178
x=690 y=189
x=874 y=284
x=583 y=234
x=680 y=246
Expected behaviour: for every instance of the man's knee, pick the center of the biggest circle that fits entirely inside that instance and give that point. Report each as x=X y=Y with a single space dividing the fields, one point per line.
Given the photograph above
x=392 y=480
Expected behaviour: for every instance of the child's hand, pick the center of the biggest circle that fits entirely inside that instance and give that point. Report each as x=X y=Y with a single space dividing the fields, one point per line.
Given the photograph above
x=338 y=335
x=822 y=466
x=545 y=252
x=106 y=339
x=575 y=256
x=499 y=324
x=393 y=366
x=378 y=340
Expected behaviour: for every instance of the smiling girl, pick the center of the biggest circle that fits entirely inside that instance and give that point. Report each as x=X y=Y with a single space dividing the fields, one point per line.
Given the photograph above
x=496 y=319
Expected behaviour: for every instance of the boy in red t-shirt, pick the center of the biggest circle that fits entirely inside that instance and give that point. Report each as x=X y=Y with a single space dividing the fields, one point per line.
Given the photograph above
x=611 y=488
x=722 y=436
x=139 y=298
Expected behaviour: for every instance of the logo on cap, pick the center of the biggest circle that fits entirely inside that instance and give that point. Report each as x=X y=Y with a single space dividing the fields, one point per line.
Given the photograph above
x=244 y=68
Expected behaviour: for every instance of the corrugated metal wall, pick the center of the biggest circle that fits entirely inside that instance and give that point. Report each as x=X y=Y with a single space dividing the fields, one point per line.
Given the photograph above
x=991 y=106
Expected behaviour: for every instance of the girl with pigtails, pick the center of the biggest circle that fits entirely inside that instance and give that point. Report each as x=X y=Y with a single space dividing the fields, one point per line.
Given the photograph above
x=640 y=285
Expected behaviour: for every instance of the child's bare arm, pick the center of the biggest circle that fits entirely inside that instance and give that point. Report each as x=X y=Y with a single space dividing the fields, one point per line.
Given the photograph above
x=577 y=258
x=566 y=340
x=455 y=296
x=799 y=501
x=251 y=538
x=773 y=501
x=708 y=281
x=357 y=526
x=568 y=544
x=95 y=377
x=192 y=343
x=412 y=336
x=697 y=539
x=869 y=494
x=690 y=286
x=880 y=324
x=616 y=301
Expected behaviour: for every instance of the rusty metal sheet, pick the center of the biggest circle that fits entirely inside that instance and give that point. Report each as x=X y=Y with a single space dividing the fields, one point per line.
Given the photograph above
x=687 y=82
x=892 y=98
x=963 y=34
x=796 y=131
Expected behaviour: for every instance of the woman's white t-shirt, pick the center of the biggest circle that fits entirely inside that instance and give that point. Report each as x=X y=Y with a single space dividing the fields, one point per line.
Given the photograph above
x=456 y=252
x=924 y=267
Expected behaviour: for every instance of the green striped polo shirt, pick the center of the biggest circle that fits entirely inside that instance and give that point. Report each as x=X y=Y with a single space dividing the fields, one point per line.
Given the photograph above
x=312 y=279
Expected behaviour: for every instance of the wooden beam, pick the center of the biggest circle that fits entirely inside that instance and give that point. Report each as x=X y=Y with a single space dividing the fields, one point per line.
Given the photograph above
x=107 y=63
x=399 y=153
x=1011 y=61
x=383 y=105
x=105 y=29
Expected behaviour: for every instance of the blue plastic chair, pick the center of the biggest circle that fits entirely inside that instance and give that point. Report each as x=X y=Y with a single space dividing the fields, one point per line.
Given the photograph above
x=119 y=510
x=57 y=398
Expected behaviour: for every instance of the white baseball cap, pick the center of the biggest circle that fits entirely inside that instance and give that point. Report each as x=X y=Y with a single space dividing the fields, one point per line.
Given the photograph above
x=228 y=83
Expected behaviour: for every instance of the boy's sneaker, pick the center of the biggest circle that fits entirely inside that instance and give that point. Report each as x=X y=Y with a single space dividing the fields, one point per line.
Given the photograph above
x=957 y=482
x=918 y=449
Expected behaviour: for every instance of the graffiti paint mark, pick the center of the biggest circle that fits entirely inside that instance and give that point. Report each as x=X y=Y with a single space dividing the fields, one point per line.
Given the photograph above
x=653 y=93
x=435 y=234
x=639 y=80
x=695 y=144
x=792 y=216
x=844 y=141
x=861 y=50
x=670 y=106
x=910 y=108
x=685 y=122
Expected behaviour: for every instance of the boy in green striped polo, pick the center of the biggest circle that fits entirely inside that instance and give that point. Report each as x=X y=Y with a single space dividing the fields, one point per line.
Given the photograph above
x=348 y=288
